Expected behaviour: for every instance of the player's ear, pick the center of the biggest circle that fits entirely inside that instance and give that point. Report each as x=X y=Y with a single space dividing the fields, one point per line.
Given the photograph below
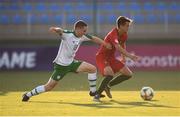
x=119 y=26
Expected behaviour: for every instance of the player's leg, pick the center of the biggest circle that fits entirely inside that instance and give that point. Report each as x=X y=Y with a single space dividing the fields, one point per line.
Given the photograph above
x=92 y=75
x=105 y=70
x=40 y=89
x=108 y=73
x=58 y=73
x=126 y=74
x=116 y=66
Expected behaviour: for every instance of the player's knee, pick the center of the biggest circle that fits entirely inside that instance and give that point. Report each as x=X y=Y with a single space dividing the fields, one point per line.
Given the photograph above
x=49 y=87
x=129 y=74
x=108 y=74
x=93 y=69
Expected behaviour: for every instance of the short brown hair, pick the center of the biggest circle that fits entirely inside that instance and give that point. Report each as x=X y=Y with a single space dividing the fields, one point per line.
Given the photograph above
x=121 y=20
x=80 y=24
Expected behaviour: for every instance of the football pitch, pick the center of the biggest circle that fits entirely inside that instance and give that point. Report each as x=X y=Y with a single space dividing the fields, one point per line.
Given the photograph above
x=70 y=97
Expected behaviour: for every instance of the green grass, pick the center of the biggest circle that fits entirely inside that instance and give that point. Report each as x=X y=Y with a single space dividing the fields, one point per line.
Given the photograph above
x=25 y=81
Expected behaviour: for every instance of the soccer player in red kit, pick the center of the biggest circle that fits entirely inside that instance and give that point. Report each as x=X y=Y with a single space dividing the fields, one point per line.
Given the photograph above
x=107 y=63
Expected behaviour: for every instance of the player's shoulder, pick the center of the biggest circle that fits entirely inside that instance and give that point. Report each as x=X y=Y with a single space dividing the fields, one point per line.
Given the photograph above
x=68 y=31
x=112 y=34
x=88 y=36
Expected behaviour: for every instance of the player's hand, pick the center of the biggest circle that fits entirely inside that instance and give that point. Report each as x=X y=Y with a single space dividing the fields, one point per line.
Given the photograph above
x=108 y=45
x=56 y=30
x=123 y=60
x=135 y=58
x=52 y=29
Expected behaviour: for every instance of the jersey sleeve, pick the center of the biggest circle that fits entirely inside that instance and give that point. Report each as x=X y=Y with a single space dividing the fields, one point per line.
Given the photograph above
x=113 y=39
x=87 y=37
x=65 y=32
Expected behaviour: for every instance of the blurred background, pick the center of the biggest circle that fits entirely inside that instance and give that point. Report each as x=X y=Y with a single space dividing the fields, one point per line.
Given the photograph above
x=30 y=19
x=26 y=45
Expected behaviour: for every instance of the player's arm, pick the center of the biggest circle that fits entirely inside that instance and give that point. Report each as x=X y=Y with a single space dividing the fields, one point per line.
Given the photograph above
x=122 y=55
x=127 y=54
x=57 y=30
x=101 y=42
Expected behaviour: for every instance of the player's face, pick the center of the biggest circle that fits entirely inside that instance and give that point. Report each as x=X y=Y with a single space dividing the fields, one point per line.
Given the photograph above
x=125 y=27
x=81 y=31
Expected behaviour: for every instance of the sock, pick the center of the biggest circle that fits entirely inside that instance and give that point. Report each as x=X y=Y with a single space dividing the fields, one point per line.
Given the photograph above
x=118 y=80
x=92 y=81
x=104 y=83
x=36 y=91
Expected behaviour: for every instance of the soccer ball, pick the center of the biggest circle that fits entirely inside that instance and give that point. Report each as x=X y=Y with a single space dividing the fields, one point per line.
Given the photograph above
x=147 y=93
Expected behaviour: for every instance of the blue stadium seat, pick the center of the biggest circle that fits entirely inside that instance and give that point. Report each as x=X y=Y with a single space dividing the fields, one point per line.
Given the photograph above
x=71 y=18
x=101 y=19
x=3 y=7
x=161 y=18
x=105 y=6
x=138 y=18
x=81 y=6
x=106 y=18
x=160 y=6
x=14 y=6
x=87 y=18
x=57 y=19
x=34 y=19
x=151 y=18
x=121 y=6
x=177 y=18
x=148 y=6
x=134 y=6
x=68 y=7
x=40 y=7
x=18 y=19
x=174 y=6
x=44 y=19
x=27 y=7
x=111 y=19
x=4 y=19
x=54 y=7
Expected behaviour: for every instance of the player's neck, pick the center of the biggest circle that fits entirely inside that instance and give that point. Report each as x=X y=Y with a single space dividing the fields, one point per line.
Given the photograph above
x=120 y=32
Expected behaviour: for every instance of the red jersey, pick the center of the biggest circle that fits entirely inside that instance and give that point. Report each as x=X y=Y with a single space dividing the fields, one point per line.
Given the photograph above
x=113 y=38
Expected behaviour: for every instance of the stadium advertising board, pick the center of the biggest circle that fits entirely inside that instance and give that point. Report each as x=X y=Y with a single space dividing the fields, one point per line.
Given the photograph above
x=154 y=57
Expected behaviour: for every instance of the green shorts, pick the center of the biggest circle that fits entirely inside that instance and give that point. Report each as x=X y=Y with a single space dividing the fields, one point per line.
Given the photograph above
x=60 y=71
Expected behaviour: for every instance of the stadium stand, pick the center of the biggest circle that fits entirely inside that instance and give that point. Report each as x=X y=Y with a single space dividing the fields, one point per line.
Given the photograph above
x=4 y=19
x=27 y=7
x=44 y=12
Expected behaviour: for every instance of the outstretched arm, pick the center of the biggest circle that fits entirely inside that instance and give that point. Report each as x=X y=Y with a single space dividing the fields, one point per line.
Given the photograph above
x=127 y=54
x=57 y=30
x=100 y=41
